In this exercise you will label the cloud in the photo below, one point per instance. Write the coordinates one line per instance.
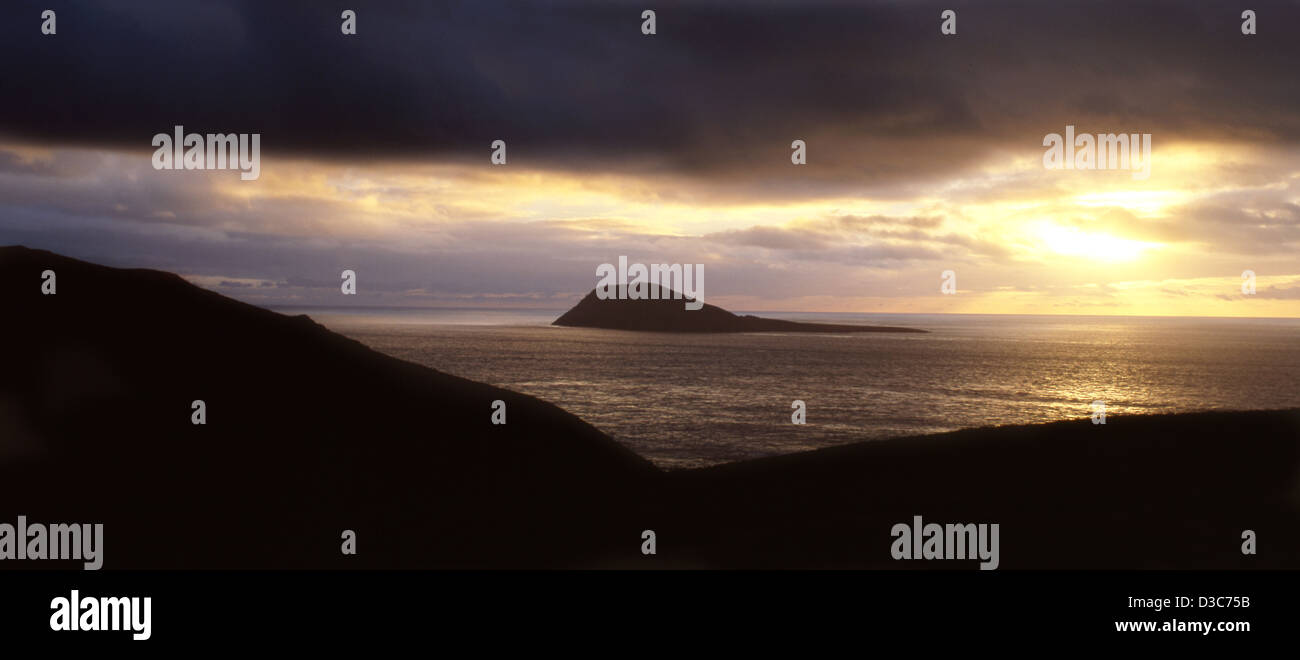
(924, 150)
(861, 240)
(1279, 293)
(882, 98)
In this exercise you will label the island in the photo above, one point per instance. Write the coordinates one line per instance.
(310, 434)
(666, 313)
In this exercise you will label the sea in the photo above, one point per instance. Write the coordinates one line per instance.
(692, 400)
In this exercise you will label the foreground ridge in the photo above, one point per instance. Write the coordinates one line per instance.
(309, 434)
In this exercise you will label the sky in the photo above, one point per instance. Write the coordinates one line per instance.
(924, 151)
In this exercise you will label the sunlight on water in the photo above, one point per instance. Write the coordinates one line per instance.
(693, 400)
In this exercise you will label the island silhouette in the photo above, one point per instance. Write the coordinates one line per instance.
(665, 311)
(309, 433)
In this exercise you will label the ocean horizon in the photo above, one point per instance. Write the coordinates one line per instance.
(314, 307)
(695, 400)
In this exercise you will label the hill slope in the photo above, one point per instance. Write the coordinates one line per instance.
(308, 433)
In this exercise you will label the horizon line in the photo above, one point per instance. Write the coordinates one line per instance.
(561, 310)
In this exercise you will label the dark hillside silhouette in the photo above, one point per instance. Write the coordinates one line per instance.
(309, 433)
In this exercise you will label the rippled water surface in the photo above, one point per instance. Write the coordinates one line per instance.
(692, 400)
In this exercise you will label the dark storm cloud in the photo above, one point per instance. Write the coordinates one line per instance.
(717, 94)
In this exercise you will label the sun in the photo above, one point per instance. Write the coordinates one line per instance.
(1074, 242)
